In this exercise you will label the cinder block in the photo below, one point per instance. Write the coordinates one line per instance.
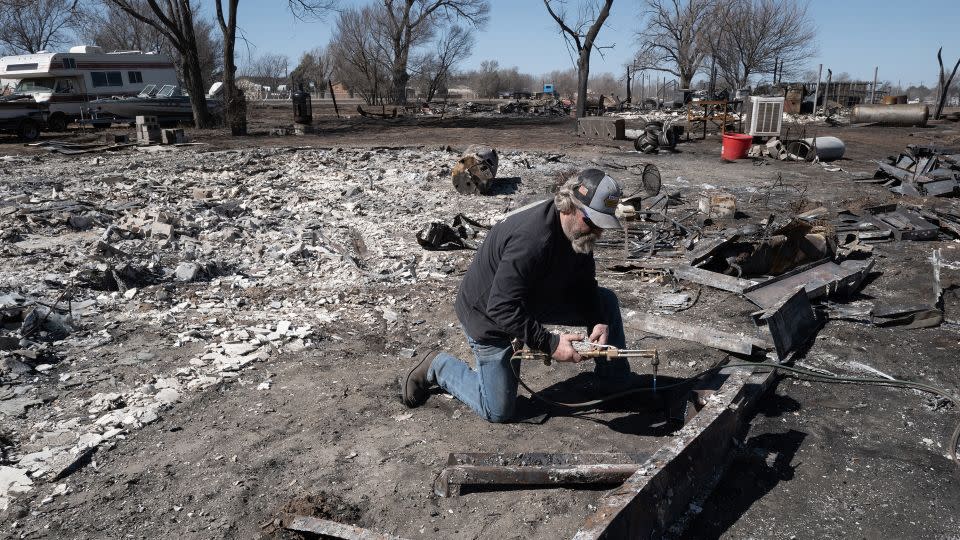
(172, 136)
(147, 121)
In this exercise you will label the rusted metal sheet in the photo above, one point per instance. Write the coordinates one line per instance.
(332, 529)
(648, 502)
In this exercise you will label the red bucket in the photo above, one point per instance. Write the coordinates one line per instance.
(735, 146)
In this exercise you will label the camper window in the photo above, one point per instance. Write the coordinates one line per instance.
(69, 63)
(64, 86)
(135, 77)
(106, 78)
(44, 84)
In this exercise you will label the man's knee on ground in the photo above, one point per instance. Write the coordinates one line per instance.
(499, 413)
(608, 297)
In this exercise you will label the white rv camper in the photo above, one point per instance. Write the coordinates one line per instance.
(69, 81)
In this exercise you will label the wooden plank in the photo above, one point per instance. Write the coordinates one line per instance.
(332, 529)
(651, 500)
(711, 337)
(713, 279)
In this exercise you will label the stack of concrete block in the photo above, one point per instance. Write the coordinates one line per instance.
(173, 136)
(148, 130)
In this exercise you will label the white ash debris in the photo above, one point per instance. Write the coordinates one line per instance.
(225, 258)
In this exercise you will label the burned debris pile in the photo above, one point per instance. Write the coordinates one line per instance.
(226, 258)
(922, 171)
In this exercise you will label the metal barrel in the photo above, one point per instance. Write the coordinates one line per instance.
(891, 115)
(828, 148)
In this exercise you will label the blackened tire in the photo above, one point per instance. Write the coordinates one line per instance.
(28, 130)
(57, 122)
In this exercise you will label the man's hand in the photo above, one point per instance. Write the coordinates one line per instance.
(565, 351)
(600, 334)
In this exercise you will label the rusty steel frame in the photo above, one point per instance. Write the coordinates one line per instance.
(656, 489)
(534, 469)
(684, 468)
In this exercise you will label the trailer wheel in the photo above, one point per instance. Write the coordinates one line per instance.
(28, 130)
(57, 122)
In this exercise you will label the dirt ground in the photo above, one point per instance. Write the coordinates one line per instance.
(319, 426)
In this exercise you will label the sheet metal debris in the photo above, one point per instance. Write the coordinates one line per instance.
(922, 170)
(819, 279)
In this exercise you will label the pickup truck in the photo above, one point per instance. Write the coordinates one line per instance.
(23, 116)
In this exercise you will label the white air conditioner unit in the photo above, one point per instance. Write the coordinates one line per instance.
(764, 116)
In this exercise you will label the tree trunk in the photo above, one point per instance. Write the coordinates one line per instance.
(192, 71)
(234, 102)
(193, 76)
(399, 80)
(583, 76)
(686, 79)
(945, 83)
(629, 80)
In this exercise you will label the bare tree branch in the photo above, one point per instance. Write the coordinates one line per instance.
(592, 18)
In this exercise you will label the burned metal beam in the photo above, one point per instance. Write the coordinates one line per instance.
(534, 469)
(711, 337)
(650, 501)
(822, 278)
(713, 279)
(331, 529)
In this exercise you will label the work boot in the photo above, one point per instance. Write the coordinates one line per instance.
(415, 388)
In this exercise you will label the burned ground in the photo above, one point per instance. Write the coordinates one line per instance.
(241, 310)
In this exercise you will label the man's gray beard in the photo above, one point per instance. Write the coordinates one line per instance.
(584, 243)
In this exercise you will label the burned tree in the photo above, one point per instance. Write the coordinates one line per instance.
(313, 70)
(451, 47)
(405, 23)
(582, 36)
(676, 37)
(113, 29)
(234, 102)
(944, 83)
(358, 62)
(756, 35)
(235, 108)
(29, 26)
(175, 22)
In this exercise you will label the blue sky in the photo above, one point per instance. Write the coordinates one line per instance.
(853, 36)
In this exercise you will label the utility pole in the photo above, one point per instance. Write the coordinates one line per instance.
(816, 92)
(873, 89)
(826, 93)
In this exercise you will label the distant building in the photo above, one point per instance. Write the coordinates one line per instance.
(462, 92)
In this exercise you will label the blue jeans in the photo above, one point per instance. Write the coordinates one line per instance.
(491, 389)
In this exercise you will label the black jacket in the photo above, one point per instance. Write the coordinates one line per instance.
(525, 269)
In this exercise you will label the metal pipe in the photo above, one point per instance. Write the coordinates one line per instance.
(891, 115)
